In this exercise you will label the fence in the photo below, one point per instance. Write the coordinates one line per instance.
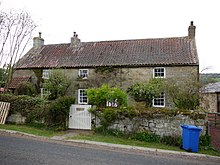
(214, 119)
(4, 109)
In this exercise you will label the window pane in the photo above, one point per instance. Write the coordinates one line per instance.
(82, 96)
(46, 74)
(160, 101)
(159, 72)
(83, 73)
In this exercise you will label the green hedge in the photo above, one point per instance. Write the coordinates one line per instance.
(58, 112)
(22, 104)
(54, 114)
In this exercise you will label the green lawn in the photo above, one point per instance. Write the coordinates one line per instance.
(117, 140)
(31, 130)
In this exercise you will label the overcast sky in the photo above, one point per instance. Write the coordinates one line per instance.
(98, 20)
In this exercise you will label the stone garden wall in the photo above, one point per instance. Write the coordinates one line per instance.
(163, 126)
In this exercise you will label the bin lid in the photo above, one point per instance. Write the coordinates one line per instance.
(191, 127)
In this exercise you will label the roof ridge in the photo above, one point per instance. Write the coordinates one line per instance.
(141, 39)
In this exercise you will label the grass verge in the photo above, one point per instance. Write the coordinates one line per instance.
(35, 130)
(118, 140)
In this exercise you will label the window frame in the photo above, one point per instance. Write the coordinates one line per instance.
(82, 76)
(79, 97)
(47, 75)
(164, 72)
(159, 99)
(44, 92)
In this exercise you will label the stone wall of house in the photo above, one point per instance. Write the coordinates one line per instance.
(209, 102)
(142, 74)
(20, 73)
(127, 76)
(163, 126)
(121, 77)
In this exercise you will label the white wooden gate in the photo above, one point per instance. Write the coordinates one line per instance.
(79, 117)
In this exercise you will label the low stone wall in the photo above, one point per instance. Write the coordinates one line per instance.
(163, 126)
(16, 118)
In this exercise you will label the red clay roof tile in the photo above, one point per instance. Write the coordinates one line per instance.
(17, 81)
(147, 52)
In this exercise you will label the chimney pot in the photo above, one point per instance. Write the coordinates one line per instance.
(191, 31)
(75, 41)
(38, 41)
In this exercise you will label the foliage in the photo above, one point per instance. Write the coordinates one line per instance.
(100, 96)
(146, 91)
(39, 114)
(145, 136)
(57, 84)
(205, 140)
(112, 132)
(3, 75)
(185, 95)
(22, 104)
(109, 115)
(34, 129)
(171, 140)
(15, 33)
(26, 89)
(106, 75)
(53, 114)
(58, 111)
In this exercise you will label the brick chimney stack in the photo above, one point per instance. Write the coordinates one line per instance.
(75, 41)
(38, 41)
(191, 31)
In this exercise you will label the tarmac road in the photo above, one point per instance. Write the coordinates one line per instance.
(20, 150)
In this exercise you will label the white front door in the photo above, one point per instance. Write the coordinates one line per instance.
(79, 117)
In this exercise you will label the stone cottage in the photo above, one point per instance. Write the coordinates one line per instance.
(120, 63)
(211, 97)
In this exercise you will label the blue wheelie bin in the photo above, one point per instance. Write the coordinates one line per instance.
(190, 137)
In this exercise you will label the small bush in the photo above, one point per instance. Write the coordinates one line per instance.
(113, 132)
(171, 140)
(109, 115)
(39, 114)
(145, 136)
(205, 140)
(58, 111)
(26, 89)
(100, 96)
(57, 84)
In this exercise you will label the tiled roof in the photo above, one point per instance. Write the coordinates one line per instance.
(17, 81)
(140, 52)
(211, 88)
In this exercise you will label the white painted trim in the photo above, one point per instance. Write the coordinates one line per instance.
(159, 68)
(160, 106)
(48, 73)
(79, 97)
(79, 71)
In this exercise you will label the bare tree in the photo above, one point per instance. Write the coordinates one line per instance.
(15, 32)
